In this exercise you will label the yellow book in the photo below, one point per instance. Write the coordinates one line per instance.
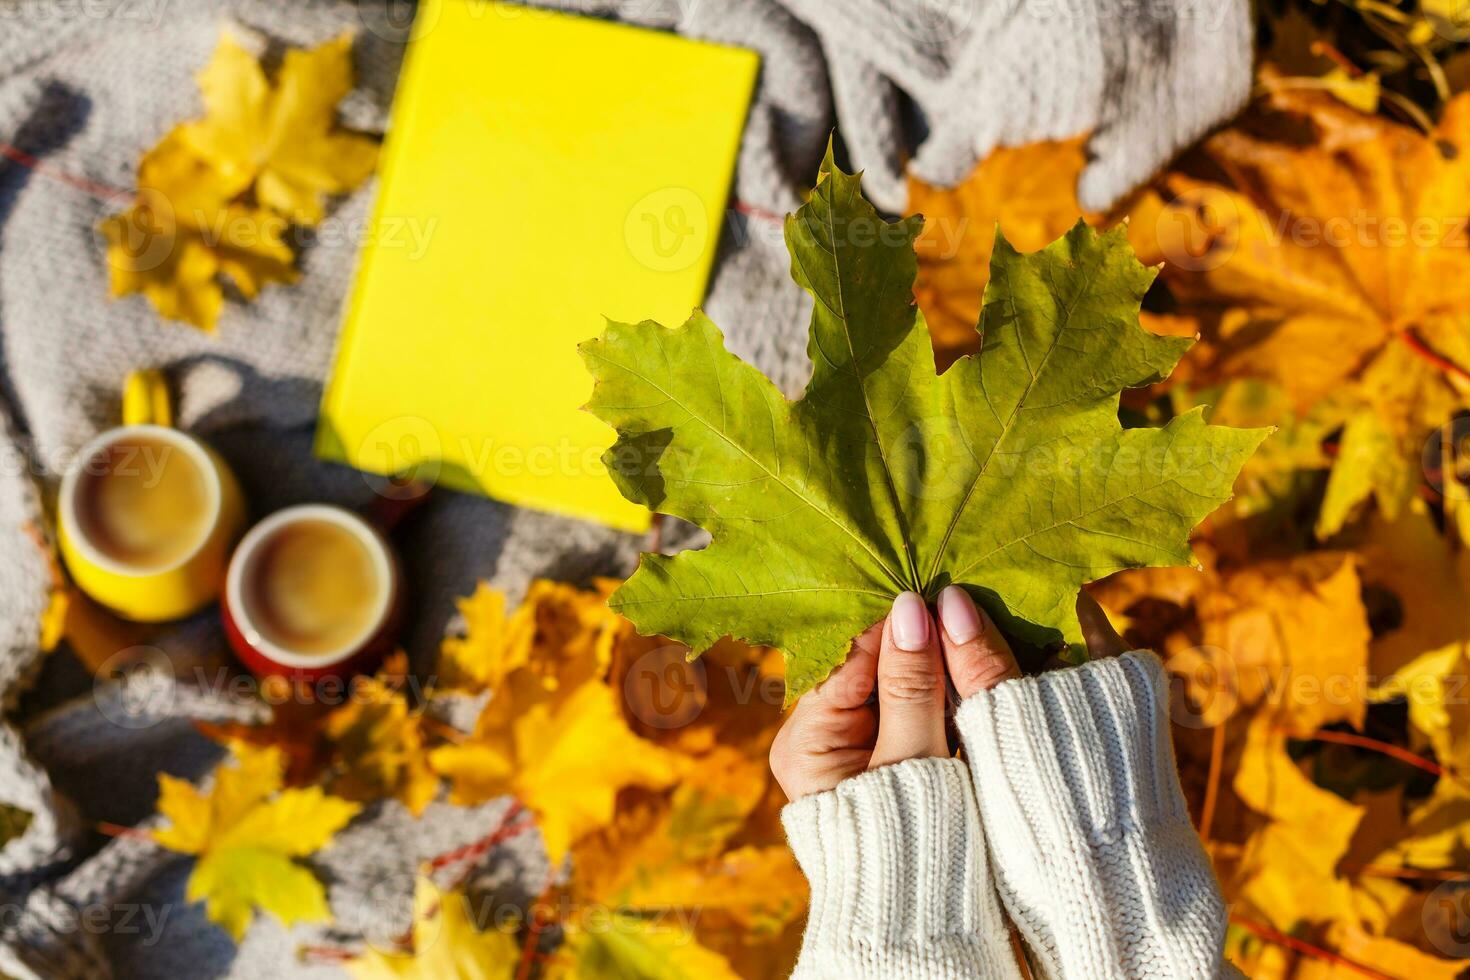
(542, 172)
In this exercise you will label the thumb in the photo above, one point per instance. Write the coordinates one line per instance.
(910, 686)
(1102, 640)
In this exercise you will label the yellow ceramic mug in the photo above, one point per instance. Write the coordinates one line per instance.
(182, 567)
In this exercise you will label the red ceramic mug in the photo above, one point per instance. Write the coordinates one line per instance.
(312, 591)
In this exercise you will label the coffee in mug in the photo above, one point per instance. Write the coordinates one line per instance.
(309, 588)
(145, 518)
(312, 587)
(143, 502)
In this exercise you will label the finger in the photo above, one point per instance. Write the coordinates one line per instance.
(829, 714)
(817, 749)
(910, 686)
(1102, 640)
(829, 735)
(977, 656)
(851, 684)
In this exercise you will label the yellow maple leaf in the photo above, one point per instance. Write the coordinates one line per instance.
(217, 195)
(1328, 266)
(1430, 684)
(281, 140)
(368, 747)
(1291, 853)
(1411, 562)
(446, 944)
(380, 746)
(580, 727)
(182, 235)
(1422, 656)
(636, 948)
(1449, 16)
(1249, 637)
(1369, 464)
(559, 637)
(755, 888)
(713, 801)
(1436, 834)
(565, 759)
(676, 852)
(1387, 956)
(1360, 91)
(244, 833)
(713, 844)
(493, 643)
(1029, 191)
(1289, 865)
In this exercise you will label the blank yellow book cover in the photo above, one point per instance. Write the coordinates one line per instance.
(543, 172)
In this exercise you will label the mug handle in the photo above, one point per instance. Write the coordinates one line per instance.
(146, 399)
(387, 510)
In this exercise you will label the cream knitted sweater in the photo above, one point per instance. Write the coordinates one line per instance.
(1068, 813)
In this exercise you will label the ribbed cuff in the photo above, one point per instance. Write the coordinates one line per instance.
(1097, 733)
(1091, 843)
(899, 880)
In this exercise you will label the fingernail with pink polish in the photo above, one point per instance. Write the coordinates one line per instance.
(958, 614)
(910, 622)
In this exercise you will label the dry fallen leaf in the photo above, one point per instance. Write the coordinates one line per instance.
(183, 235)
(244, 833)
(367, 746)
(1288, 870)
(380, 746)
(565, 758)
(588, 724)
(1330, 265)
(618, 947)
(553, 732)
(445, 944)
(677, 852)
(1247, 639)
(280, 139)
(1029, 191)
(217, 195)
(492, 645)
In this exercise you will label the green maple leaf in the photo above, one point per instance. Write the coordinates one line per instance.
(1009, 474)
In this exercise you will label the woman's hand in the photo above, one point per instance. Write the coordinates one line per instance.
(840, 730)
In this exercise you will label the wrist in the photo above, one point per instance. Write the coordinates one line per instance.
(1094, 853)
(898, 871)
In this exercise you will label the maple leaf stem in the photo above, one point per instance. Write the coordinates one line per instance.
(1423, 350)
(118, 830)
(326, 954)
(656, 533)
(1305, 948)
(1212, 783)
(1375, 745)
(1413, 112)
(1411, 874)
(752, 211)
(1329, 51)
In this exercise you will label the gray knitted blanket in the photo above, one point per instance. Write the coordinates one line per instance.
(86, 86)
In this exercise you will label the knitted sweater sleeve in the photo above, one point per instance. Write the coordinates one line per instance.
(1094, 855)
(899, 879)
